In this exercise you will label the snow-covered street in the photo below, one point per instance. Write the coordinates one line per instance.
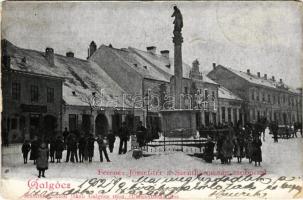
(283, 158)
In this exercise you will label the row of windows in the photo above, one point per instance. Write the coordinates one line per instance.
(274, 99)
(200, 91)
(34, 93)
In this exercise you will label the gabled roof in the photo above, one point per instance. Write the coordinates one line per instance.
(81, 76)
(251, 78)
(160, 63)
(224, 93)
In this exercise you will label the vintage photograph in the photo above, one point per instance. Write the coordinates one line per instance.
(151, 100)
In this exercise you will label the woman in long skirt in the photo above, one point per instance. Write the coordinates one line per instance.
(42, 159)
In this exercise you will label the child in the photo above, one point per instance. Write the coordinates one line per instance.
(42, 160)
(26, 147)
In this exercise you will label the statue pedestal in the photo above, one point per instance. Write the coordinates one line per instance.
(179, 119)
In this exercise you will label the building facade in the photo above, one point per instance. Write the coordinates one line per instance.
(31, 105)
(263, 97)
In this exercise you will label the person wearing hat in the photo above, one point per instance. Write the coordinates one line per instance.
(42, 159)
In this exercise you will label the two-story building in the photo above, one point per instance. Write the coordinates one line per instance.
(148, 74)
(263, 96)
(31, 104)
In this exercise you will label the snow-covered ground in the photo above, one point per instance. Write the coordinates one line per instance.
(283, 158)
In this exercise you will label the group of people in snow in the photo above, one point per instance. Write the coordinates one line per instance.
(241, 142)
(78, 149)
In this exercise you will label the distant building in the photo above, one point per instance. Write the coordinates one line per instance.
(230, 107)
(263, 96)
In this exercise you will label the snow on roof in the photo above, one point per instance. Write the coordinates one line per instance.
(260, 80)
(81, 76)
(161, 63)
(138, 64)
(227, 94)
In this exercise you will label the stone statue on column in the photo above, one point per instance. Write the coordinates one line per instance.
(178, 19)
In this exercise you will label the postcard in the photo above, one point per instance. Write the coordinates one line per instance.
(151, 100)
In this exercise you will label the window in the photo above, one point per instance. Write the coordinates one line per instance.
(253, 95)
(34, 93)
(14, 123)
(50, 95)
(185, 90)
(274, 99)
(263, 97)
(73, 122)
(206, 94)
(268, 98)
(223, 114)
(257, 97)
(213, 95)
(279, 100)
(16, 91)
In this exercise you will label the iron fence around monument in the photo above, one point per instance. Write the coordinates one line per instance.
(184, 143)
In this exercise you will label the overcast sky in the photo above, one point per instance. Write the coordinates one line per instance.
(261, 36)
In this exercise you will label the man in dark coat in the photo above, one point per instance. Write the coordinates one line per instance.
(65, 135)
(219, 149)
(111, 141)
(124, 137)
(26, 147)
(68, 146)
(59, 149)
(42, 159)
(209, 151)
(52, 149)
(141, 134)
(90, 147)
(34, 149)
(102, 148)
(257, 152)
(274, 129)
(73, 149)
(81, 147)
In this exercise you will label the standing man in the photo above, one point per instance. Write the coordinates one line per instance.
(111, 141)
(102, 148)
(124, 137)
(141, 134)
(65, 135)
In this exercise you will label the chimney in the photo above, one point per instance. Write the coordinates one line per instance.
(214, 66)
(248, 71)
(165, 53)
(258, 74)
(265, 76)
(195, 66)
(70, 54)
(49, 56)
(151, 49)
(91, 49)
(281, 81)
(273, 78)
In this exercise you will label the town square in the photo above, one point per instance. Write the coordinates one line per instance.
(151, 89)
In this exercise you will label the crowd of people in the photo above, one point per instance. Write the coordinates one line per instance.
(244, 142)
(78, 148)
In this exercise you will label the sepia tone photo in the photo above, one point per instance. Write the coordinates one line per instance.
(151, 100)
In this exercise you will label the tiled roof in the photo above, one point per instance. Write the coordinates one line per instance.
(226, 94)
(81, 76)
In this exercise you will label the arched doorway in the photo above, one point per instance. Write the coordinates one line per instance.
(49, 127)
(101, 125)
